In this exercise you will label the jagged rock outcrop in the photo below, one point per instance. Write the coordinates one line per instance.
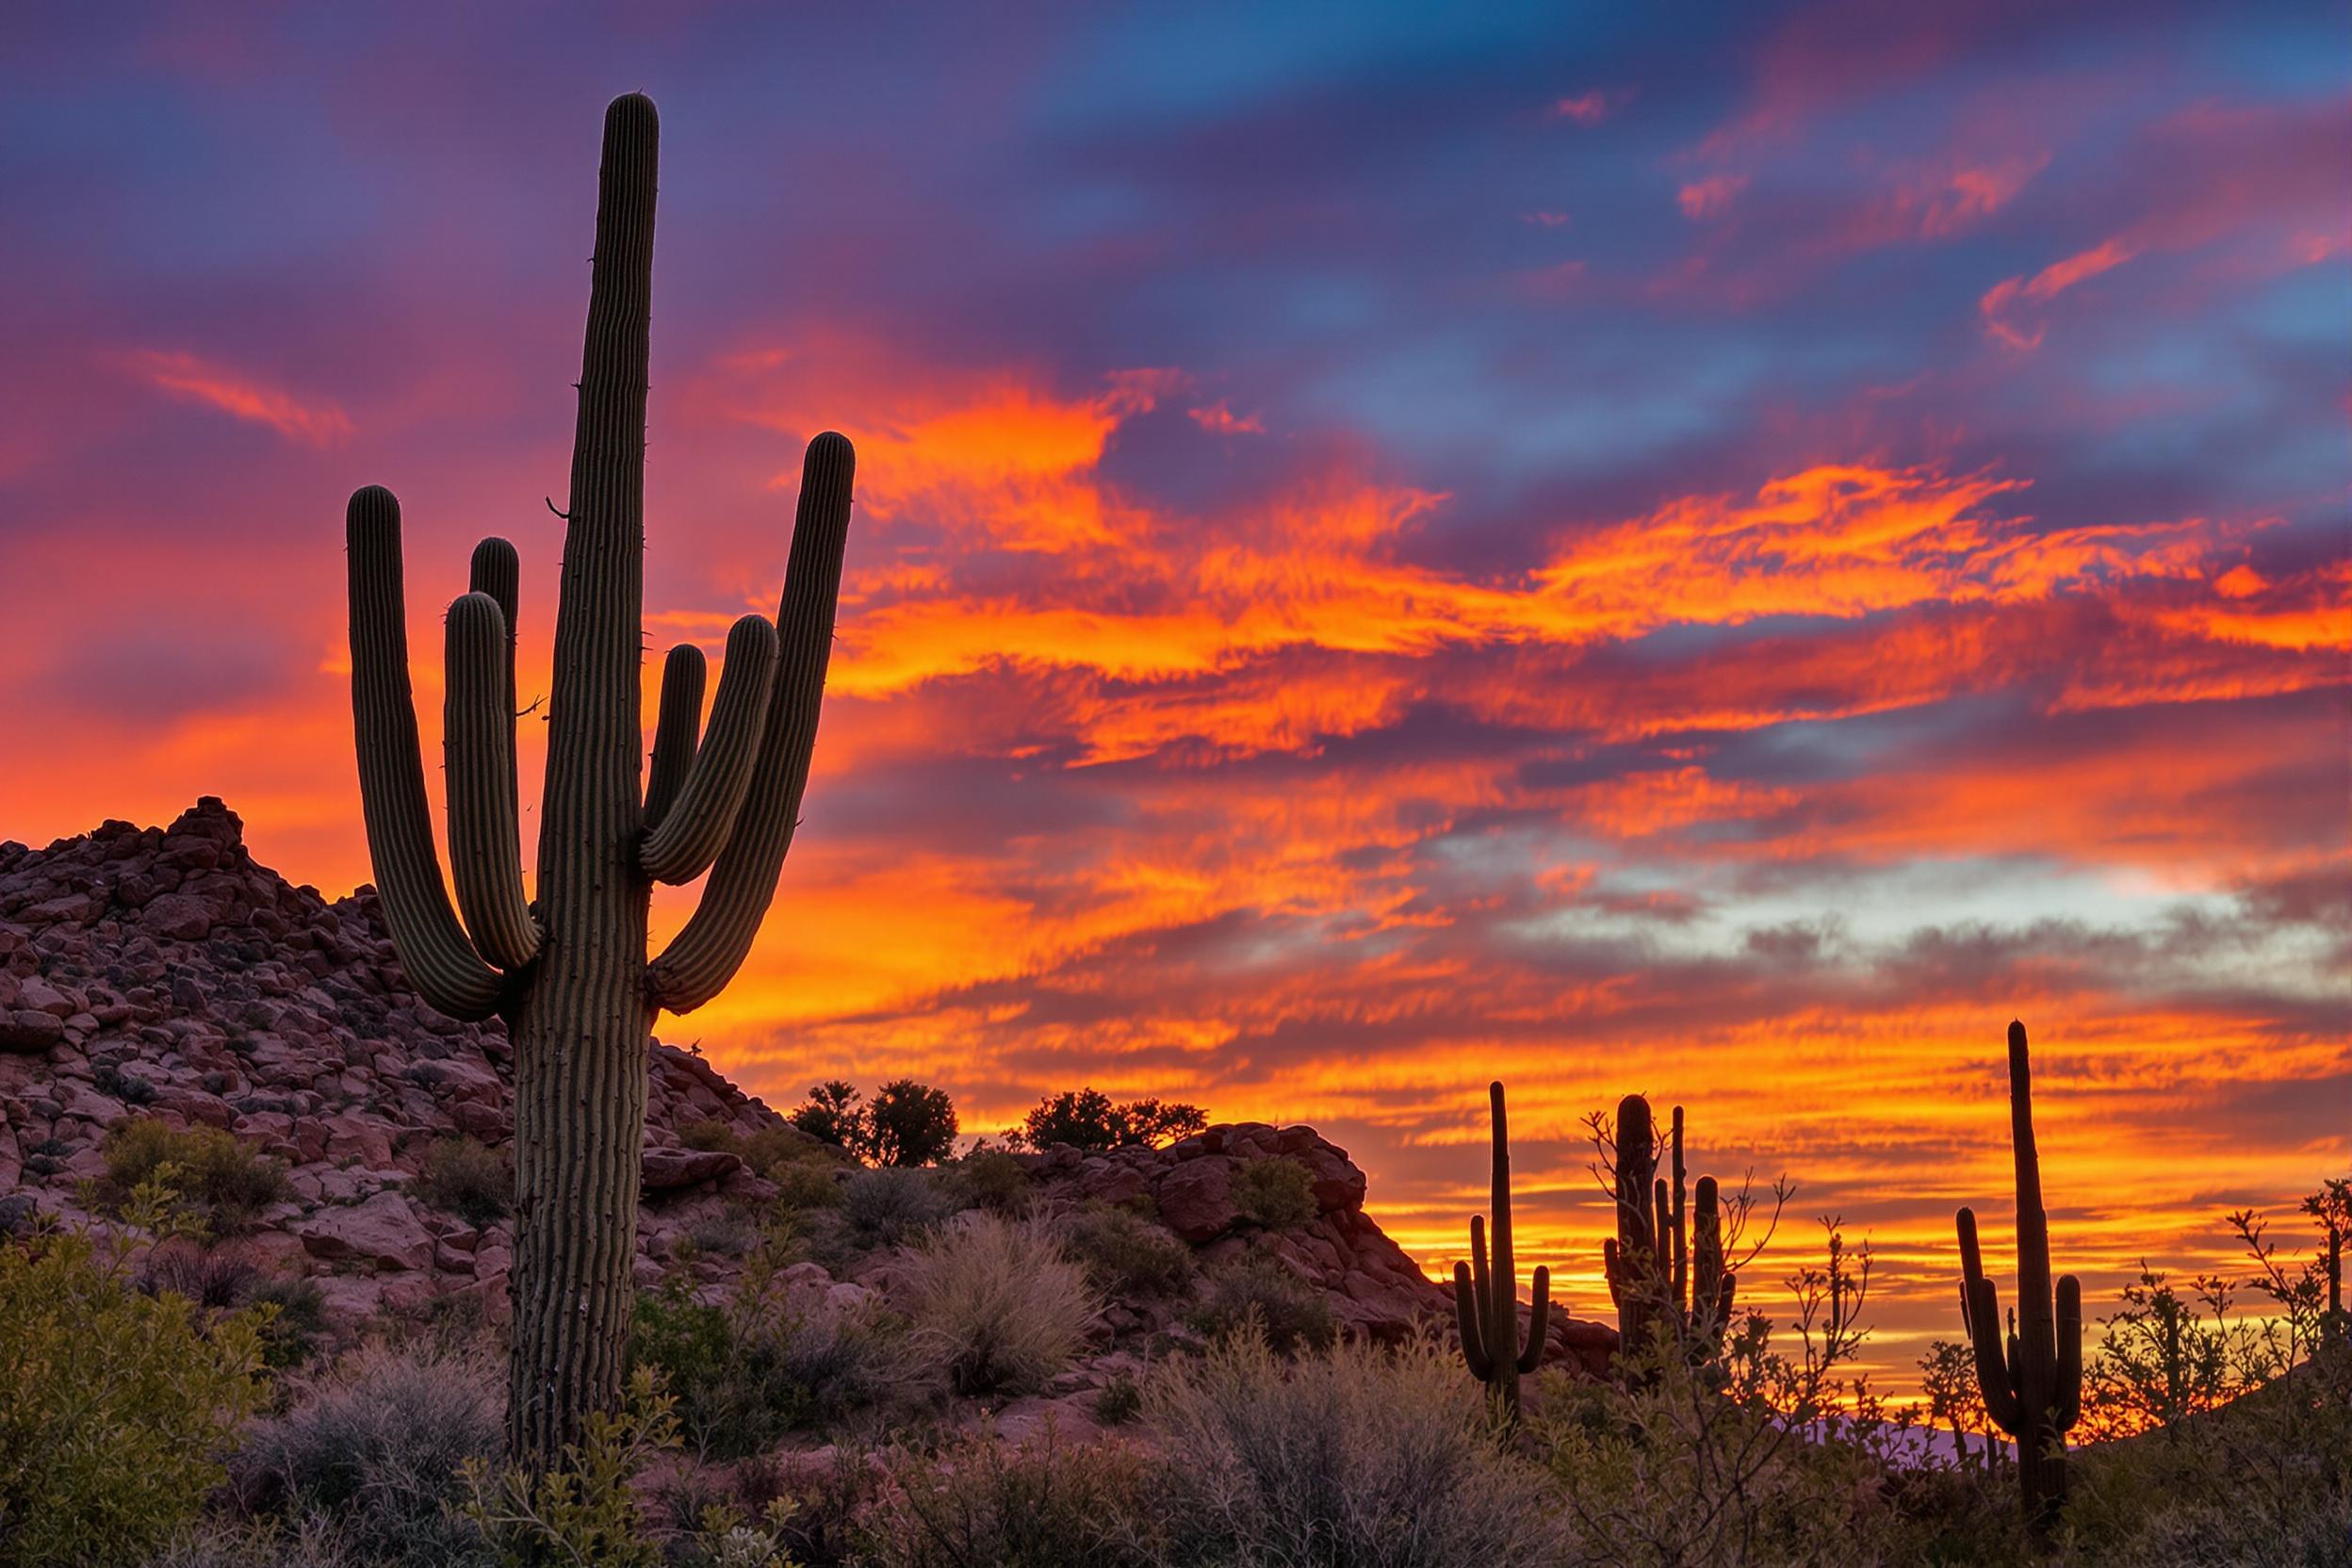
(1376, 1289)
(163, 972)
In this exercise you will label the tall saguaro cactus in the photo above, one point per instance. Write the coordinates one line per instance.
(2033, 1379)
(568, 972)
(1486, 1289)
(1666, 1263)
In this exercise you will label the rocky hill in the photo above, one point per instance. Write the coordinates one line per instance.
(163, 973)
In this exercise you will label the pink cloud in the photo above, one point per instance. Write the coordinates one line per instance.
(1708, 198)
(1586, 108)
(1220, 420)
(192, 380)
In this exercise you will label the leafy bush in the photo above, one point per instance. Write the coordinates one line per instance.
(219, 1181)
(585, 1508)
(909, 1123)
(993, 1179)
(1277, 1194)
(998, 1305)
(743, 1374)
(298, 1320)
(1373, 1458)
(1118, 1402)
(1086, 1118)
(984, 1503)
(114, 1405)
(1261, 1293)
(1125, 1255)
(376, 1444)
(772, 1149)
(467, 1178)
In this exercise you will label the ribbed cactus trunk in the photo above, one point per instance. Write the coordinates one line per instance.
(581, 1030)
(568, 972)
(2031, 1378)
(1486, 1288)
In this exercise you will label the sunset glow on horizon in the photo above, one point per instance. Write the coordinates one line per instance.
(1383, 561)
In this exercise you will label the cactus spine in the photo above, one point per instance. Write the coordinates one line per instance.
(1486, 1289)
(569, 972)
(1665, 1266)
(2033, 1379)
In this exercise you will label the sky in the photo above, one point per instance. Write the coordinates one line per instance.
(1722, 552)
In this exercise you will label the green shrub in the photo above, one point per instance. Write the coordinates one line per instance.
(997, 1305)
(890, 1206)
(1260, 1293)
(744, 1374)
(1358, 1455)
(375, 1445)
(803, 1185)
(298, 1320)
(467, 1178)
(992, 1179)
(1125, 1255)
(115, 1406)
(219, 1181)
(585, 1509)
(1277, 1194)
(980, 1502)
(770, 1149)
(1118, 1402)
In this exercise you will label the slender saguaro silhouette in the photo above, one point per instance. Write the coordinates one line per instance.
(568, 972)
(1666, 1263)
(1486, 1289)
(2032, 1382)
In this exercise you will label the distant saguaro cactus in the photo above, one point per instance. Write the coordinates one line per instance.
(1666, 1263)
(568, 972)
(1486, 1289)
(2032, 1380)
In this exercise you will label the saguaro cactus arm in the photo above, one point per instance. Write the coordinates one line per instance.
(2066, 1403)
(497, 571)
(695, 825)
(439, 961)
(1470, 1305)
(477, 740)
(707, 952)
(677, 731)
(1538, 1321)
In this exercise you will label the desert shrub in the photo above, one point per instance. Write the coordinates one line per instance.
(376, 1444)
(889, 1207)
(1278, 1193)
(585, 1509)
(1357, 1455)
(743, 1374)
(1088, 1118)
(298, 1318)
(768, 1152)
(311, 1543)
(724, 1233)
(467, 1178)
(115, 1406)
(909, 1123)
(1125, 1255)
(1260, 1293)
(219, 1181)
(217, 1279)
(983, 1503)
(997, 1305)
(1118, 1402)
(992, 1179)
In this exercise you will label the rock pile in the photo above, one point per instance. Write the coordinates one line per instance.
(161, 972)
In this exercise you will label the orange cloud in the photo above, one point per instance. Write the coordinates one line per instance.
(192, 380)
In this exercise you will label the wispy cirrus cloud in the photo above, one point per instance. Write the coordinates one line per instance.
(185, 376)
